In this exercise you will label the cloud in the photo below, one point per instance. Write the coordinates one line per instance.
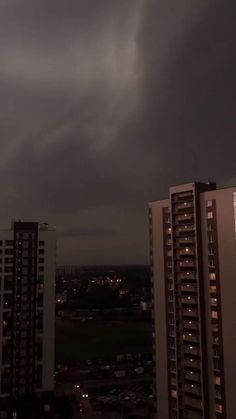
(104, 105)
(83, 232)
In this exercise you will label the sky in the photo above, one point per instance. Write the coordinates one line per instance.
(106, 103)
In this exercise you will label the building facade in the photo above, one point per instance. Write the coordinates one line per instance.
(27, 293)
(193, 263)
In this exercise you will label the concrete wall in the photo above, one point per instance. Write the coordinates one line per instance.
(49, 309)
(160, 310)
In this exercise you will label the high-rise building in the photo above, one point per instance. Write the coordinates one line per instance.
(193, 263)
(27, 295)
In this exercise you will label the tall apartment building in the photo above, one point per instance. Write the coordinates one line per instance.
(193, 262)
(27, 295)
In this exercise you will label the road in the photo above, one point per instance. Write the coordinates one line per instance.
(76, 396)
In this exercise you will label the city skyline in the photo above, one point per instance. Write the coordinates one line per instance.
(104, 105)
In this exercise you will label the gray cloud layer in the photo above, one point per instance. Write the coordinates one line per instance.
(103, 105)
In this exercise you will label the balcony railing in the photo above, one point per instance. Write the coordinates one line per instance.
(183, 206)
(186, 240)
(185, 217)
(193, 376)
(193, 389)
(193, 403)
(191, 350)
(189, 288)
(190, 312)
(190, 338)
(189, 300)
(185, 229)
(191, 325)
(193, 363)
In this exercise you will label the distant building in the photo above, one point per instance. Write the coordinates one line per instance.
(145, 305)
(193, 260)
(27, 312)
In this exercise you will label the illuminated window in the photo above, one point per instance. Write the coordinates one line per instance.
(210, 215)
(173, 393)
(218, 394)
(217, 381)
(209, 203)
(214, 315)
(213, 288)
(213, 301)
(212, 276)
(216, 339)
(219, 408)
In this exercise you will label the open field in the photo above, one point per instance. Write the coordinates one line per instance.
(78, 340)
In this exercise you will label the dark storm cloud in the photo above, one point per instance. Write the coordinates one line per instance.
(103, 105)
(85, 233)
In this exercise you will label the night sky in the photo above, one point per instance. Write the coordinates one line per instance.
(104, 104)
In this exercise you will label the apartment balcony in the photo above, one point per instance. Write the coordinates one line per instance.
(187, 217)
(186, 251)
(190, 338)
(192, 350)
(197, 404)
(186, 205)
(193, 376)
(173, 381)
(186, 240)
(190, 300)
(184, 229)
(187, 275)
(189, 288)
(190, 312)
(192, 363)
(184, 198)
(192, 389)
(187, 264)
(191, 325)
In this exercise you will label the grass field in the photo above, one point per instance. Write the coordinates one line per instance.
(77, 341)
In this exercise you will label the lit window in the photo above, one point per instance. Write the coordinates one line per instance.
(209, 203)
(212, 276)
(210, 215)
(217, 381)
(219, 408)
(214, 315)
(173, 393)
(213, 288)
(213, 301)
